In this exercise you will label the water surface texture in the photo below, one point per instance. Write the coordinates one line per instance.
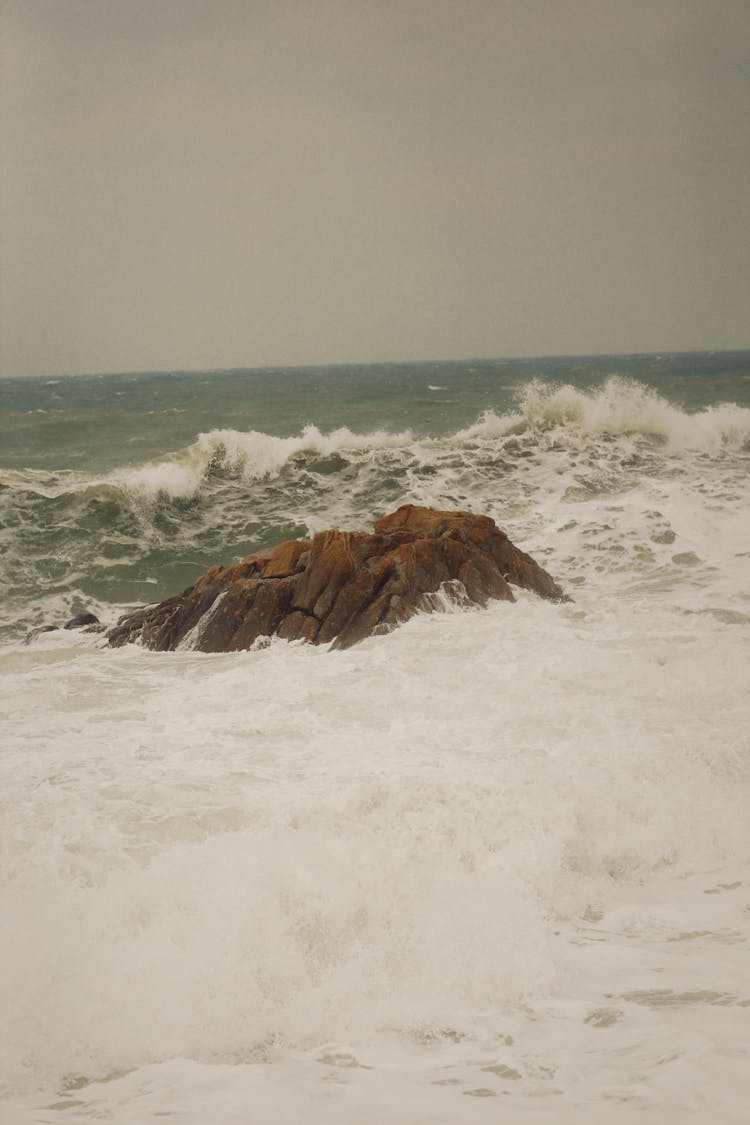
(495, 865)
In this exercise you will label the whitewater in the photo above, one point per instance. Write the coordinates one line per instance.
(494, 865)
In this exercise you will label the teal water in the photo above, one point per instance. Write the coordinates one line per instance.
(119, 489)
(102, 421)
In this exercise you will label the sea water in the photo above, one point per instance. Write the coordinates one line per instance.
(492, 866)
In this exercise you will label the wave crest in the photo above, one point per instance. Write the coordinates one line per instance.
(256, 454)
(251, 455)
(619, 408)
(559, 416)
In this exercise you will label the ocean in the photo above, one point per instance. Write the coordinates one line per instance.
(493, 866)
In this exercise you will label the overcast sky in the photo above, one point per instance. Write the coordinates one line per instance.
(231, 183)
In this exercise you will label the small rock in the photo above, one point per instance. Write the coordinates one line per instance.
(80, 620)
(31, 636)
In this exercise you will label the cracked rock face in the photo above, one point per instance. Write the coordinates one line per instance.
(342, 586)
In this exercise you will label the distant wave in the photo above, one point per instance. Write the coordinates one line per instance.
(547, 416)
(621, 407)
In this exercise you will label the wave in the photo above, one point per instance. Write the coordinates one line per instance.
(547, 415)
(560, 416)
(621, 407)
(256, 455)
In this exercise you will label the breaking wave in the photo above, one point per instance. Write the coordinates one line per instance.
(619, 408)
(547, 416)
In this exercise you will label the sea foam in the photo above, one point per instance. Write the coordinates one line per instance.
(393, 855)
(620, 407)
(496, 858)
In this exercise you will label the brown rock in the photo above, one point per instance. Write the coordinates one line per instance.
(342, 586)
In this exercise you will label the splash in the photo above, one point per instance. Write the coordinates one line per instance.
(620, 408)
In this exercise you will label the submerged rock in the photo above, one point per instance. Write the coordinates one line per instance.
(342, 586)
(80, 620)
(37, 632)
(88, 622)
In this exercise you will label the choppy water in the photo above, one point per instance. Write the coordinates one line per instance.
(496, 862)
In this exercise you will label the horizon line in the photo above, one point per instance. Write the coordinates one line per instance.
(362, 364)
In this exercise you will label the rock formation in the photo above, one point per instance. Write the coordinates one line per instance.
(341, 586)
(88, 622)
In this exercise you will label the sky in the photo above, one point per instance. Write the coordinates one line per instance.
(203, 184)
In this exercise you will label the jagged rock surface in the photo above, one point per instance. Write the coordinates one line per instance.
(341, 586)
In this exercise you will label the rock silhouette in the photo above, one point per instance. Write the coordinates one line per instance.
(342, 586)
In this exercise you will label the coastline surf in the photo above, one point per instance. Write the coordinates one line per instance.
(497, 859)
